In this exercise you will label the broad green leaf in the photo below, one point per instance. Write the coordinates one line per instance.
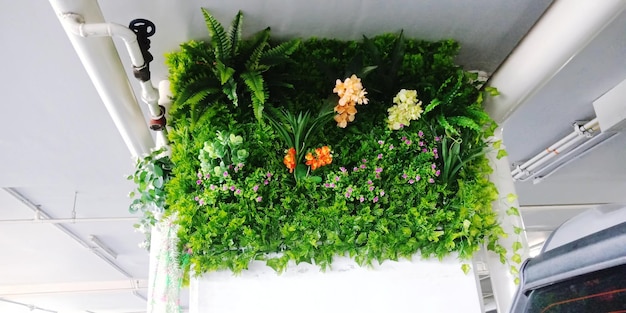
(512, 211)
(315, 179)
(516, 246)
(492, 91)
(158, 171)
(510, 198)
(242, 154)
(516, 258)
(235, 140)
(225, 73)
(501, 153)
(497, 144)
(158, 183)
(466, 268)
(517, 230)
(301, 171)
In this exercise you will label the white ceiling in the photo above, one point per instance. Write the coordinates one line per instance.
(597, 177)
(61, 150)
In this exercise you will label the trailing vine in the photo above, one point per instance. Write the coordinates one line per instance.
(151, 174)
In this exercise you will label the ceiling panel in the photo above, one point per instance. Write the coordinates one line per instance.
(34, 253)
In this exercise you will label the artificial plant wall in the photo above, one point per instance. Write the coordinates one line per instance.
(303, 150)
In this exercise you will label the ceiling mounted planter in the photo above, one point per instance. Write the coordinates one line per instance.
(315, 148)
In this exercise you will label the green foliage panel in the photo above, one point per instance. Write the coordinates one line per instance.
(387, 194)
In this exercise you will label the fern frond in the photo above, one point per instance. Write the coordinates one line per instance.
(223, 72)
(465, 122)
(235, 33)
(190, 86)
(443, 122)
(454, 93)
(256, 86)
(247, 46)
(478, 115)
(230, 90)
(279, 54)
(220, 42)
(432, 105)
(257, 50)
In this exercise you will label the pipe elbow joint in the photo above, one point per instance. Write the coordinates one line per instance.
(158, 123)
(142, 73)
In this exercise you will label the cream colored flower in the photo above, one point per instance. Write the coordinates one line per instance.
(408, 108)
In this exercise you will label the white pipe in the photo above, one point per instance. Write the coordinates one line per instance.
(528, 172)
(543, 153)
(541, 158)
(72, 288)
(165, 100)
(29, 306)
(76, 24)
(102, 63)
(68, 220)
(558, 146)
(557, 153)
(547, 157)
(566, 28)
(537, 178)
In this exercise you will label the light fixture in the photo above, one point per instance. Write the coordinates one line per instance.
(96, 241)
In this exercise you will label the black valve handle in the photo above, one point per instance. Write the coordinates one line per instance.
(143, 29)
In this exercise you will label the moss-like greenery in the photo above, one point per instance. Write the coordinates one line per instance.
(387, 194)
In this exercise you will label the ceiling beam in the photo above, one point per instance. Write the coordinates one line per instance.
(562, 32)
(550, 207)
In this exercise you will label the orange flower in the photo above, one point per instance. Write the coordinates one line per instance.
(311, 161)
(322, 157)
(351, 93)
(290, 159)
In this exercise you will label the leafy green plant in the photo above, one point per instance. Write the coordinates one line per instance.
(387, 69)
(296, 131)
(232, 67)
(452, 115)
(225, 149)
(152, 172)
(455, 155)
